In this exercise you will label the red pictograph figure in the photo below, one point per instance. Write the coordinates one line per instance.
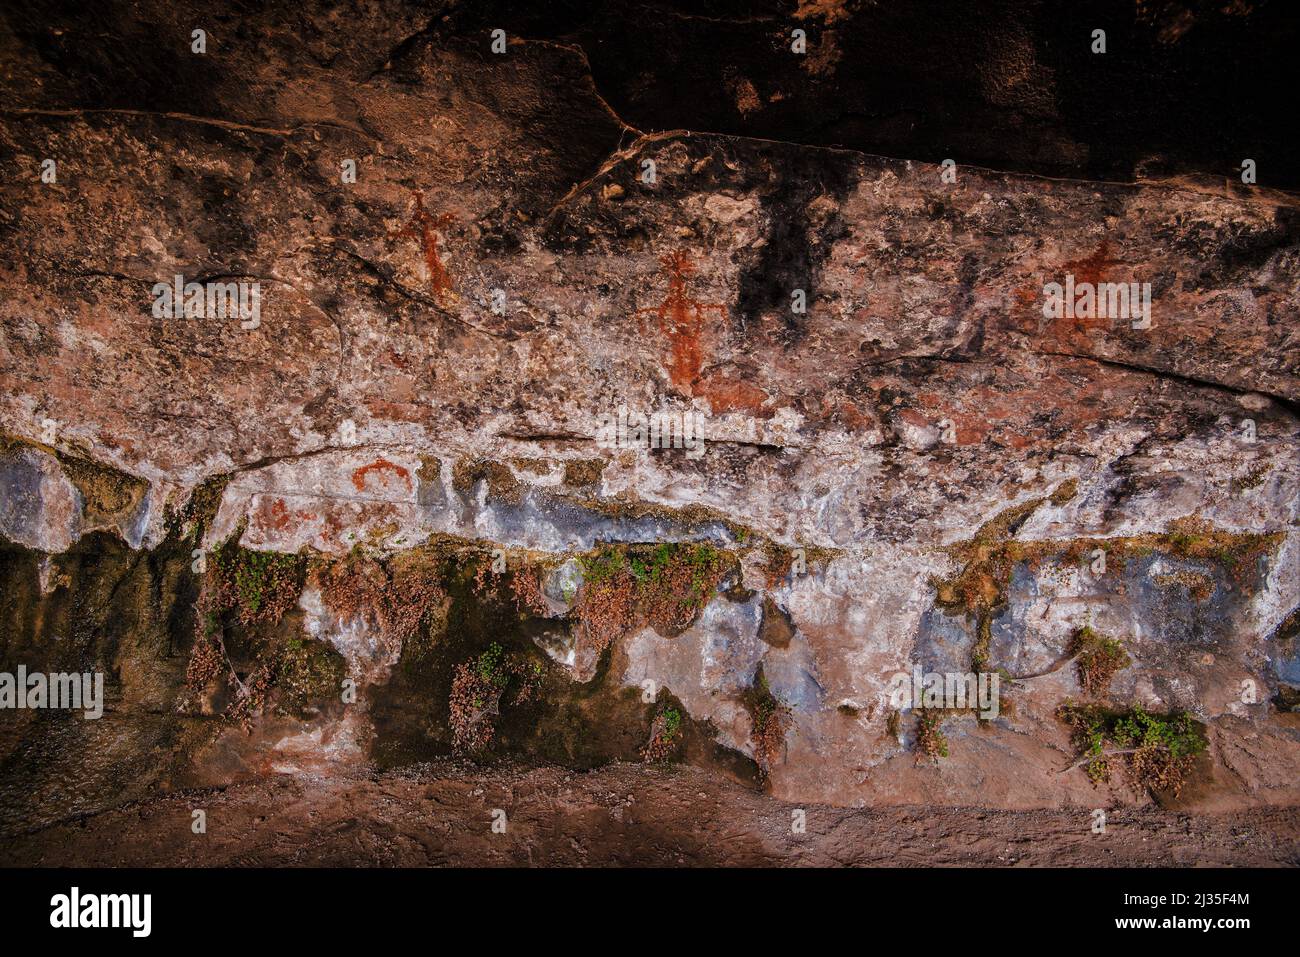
(681, 319)
(425, 227)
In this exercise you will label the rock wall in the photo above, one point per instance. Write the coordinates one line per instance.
(919, 469)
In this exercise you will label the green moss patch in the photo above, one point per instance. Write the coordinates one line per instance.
(258, 586)
(665, 586)
(1158, 751)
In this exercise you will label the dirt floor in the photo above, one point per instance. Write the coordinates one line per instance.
(442, 814)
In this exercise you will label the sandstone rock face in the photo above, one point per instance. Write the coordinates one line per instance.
(441, 341)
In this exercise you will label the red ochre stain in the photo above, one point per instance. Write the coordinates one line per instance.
(1091, 268)
(278, 517)
(681, 319)
(379, 465)
(425, 227)
(728, 394)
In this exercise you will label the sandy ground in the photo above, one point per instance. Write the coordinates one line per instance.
(442, 814)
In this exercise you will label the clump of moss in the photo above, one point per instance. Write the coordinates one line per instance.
(930, 741)
(526, 586)
(769, 717)
(1158, 750)
(477, 690)
(399, 597)
(665, 586)
(259, 586)
(778, 562)
(580, 473)
(1098, 658)
(252, 694)
(675, 582)
(1064, 492)
(606, 564)
(475, 700)
(430, 469)
(606, 606)
(1194, 537)
(531, 465)
(665, 736)
(501, 482)
(207, 663)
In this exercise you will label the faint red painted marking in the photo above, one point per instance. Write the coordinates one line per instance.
(426, 228)
(681, 319)
(379, 466)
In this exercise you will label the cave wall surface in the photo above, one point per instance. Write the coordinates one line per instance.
(922, 417)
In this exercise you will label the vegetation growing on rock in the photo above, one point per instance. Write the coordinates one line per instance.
(398, 596)
(665, 736)
(477, 690)
(1097, 658)
(665, 586)
(257, 586)
(1065, 492)
(930, 741)
(501, 482)
(988, 560)
(1158, 751)
(769, 719)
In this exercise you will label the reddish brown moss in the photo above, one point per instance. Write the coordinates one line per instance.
(1098, 658)
(769, 719)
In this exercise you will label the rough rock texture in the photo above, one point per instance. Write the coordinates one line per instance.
(920, 419)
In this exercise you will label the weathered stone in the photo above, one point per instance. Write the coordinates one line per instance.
(389, 398)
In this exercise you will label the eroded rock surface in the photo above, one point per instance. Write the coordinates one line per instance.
(438, 342)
